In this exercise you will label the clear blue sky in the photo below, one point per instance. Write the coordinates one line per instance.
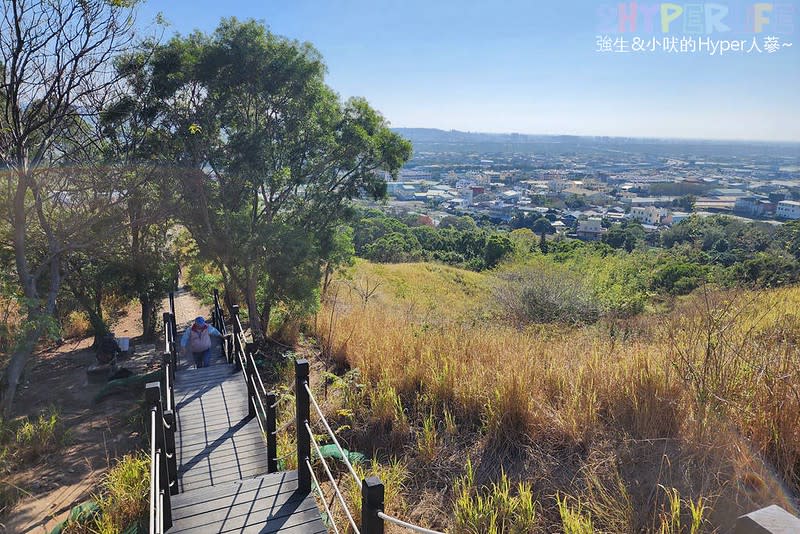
(530, 66)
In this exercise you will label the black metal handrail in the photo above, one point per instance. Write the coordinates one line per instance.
(160, 398)
(261, 404)
(163, 461)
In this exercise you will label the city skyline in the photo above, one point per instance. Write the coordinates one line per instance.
(538, 69)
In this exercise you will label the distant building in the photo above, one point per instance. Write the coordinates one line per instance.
(511, 196)
(788, 209)
(651, 215)
(401, 190)
(754, 206)
(678, 216)
(591, 229)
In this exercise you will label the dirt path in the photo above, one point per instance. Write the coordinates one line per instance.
(96, 433)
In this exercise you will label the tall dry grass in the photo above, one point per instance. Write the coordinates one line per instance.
(690, 400)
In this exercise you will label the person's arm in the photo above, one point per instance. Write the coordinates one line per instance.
(213, 331)
(185, 338)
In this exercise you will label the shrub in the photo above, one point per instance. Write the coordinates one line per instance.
(546, 295)
(125, 494)
(679, 278)
(76, 325)
(203, 280)
(493, 508)
(28, 439)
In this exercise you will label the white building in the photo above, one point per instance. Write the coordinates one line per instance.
(650, 215)
(788, 209)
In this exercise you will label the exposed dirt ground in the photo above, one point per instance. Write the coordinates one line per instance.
(95, 433)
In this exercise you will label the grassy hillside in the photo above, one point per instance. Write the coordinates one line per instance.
(627, 425)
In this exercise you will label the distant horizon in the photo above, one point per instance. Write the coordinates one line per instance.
(548, 67)
(638, 137)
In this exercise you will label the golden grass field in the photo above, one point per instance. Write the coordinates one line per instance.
(676, 421)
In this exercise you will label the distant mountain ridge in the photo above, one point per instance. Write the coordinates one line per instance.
(436, 135)
(455, 141)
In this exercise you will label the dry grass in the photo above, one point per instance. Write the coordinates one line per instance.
(691, 399)
(76, 325)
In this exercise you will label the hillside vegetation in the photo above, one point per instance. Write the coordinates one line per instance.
(672, 421)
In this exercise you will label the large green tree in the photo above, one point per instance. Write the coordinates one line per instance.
(271, 157)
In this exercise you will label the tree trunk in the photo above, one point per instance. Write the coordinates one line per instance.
(148, 317)
(252, 309)
(16, 366)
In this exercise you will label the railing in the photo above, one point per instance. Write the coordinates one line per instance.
(372, 489)
(160, 399)
(218, 320)
(163, 461)
(261, 404)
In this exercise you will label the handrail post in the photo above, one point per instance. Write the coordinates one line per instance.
(217, 310)
(272, 436)
(372, 494)
(172, 316)
(249, 375)
(153, 398)
(172, 303)
(168, 379)
(237, 348)
(302, 408)
(168, 341)
(172, 457)
(226, 348)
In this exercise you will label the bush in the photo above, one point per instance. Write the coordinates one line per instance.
(203, 281)
(126, 490)
(28, 439)
(76, 325)
(546, 294)
(679, 278)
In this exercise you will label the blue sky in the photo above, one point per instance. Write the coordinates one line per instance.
(531, 66)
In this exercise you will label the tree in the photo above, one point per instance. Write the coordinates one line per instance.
(54, 55)
(685, 202)
(134, 126)
(497, 247)
(542, 226)
(463, 224)
(626, 235)
(269, 151)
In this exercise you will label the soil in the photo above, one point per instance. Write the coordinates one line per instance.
(95, 434)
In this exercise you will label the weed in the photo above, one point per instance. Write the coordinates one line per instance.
(494, 508)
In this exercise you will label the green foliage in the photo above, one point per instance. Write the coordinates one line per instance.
(625, 235)
(679, 278)
(287, 156)
(124, 496)
(497, 247)
(203, 280)
(532, 221)
(456, 241)
(493, 509)
(574, 519)
(28, 439)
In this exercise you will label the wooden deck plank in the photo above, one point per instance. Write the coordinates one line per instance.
(251, 506)
(222, 464)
